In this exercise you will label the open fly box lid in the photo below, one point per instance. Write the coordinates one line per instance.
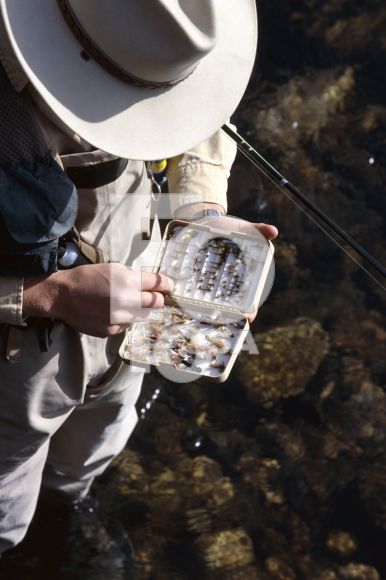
(220, 275)
(222, 262)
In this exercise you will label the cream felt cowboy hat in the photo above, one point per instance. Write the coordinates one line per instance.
(141, 79)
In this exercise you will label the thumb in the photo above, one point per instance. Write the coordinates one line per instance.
(269, 231)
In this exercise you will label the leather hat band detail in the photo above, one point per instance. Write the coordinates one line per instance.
(103, 60)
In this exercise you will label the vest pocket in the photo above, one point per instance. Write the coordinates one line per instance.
(38, 205)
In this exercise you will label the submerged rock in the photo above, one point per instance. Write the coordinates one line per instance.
(303, 106)
(191, 480)
(279, 570)
(226, 549)
(341, 543)
(289, 357)
(355, 571)
(130, 479)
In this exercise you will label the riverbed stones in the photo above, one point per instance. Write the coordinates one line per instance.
(289, 358)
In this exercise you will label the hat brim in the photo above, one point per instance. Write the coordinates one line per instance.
(121, 119)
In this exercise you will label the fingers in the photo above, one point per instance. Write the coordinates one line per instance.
(269, 231)
(156, 283)
(251, 316)
(113, 330)
(152, 300)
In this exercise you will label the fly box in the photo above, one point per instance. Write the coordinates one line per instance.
(222, 270)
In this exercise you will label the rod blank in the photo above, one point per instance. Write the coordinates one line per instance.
(258, 160)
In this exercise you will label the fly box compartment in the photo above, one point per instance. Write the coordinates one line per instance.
(183, 346)
(220, 277)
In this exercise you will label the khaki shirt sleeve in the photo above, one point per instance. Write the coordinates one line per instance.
(11, 301)
(201, 174)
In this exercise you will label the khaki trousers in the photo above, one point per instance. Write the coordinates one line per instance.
(66, 413)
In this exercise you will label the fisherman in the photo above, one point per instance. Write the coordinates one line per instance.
(88, 91)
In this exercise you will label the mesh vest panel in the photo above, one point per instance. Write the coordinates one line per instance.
(21, 136)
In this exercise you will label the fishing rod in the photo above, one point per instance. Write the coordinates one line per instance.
(286, 186)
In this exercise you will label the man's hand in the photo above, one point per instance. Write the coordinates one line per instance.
(269, 231)
(99, 300)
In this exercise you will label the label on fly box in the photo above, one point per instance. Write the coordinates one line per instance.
(220, 276)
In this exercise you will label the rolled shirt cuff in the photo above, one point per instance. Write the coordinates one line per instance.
(201, 174)
(196, 182)
(11, 301)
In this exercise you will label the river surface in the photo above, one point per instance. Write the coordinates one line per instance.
(280, 473)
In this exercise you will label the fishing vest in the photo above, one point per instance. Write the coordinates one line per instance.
(38, 201)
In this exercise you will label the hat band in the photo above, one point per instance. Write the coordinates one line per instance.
(101, 58)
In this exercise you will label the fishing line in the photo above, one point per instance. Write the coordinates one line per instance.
(285, 187)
